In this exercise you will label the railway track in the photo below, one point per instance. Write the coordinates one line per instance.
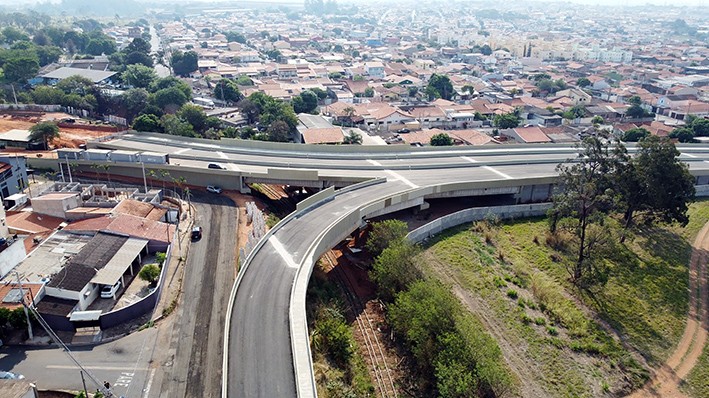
(382, 373)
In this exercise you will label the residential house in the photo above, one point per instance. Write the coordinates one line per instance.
(526, 135)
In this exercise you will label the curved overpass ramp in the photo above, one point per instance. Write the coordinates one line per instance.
(267, 350)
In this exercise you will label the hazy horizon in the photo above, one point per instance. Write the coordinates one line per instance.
(584, 2)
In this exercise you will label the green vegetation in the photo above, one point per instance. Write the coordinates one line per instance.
(339, 369)
(453, 354)
(184, 63)
(150, 273)
(440, 86)
(506, 121)
(698, 380)
(441, 139)
(44, 132)
(694, 127)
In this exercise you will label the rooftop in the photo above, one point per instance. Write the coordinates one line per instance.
(96, 76)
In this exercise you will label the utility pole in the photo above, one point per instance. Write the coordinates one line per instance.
(83, 381)
(145, 181)
(24, 306)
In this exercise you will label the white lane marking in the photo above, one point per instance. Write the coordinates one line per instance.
(689, 155)
(222, 155)
(499, 173)
(233, 167)
(146, 391)
(401, 178)
(183, 150)
(397, 176)
(282, 252)
(123, 368)
(471, 160)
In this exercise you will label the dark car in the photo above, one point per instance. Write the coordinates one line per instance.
(196, 233)
(215, 166)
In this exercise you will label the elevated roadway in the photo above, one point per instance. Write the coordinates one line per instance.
(266, 342)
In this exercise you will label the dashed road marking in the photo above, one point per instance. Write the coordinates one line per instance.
(396, 176)
(183, 150)
(222, 155)
(146, 391)
(282, 252)
(499, 173)
(471, 160)
(233, 167)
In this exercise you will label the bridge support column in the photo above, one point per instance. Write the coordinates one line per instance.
(243, 188)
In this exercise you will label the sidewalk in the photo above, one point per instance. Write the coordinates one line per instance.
(173, 279)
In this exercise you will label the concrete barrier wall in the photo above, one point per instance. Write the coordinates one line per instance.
(322, 195)
(475, 214)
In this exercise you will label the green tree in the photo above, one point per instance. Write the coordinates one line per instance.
(334, 336)
(47, 95)
(635, 134)
(195, 116)
(441, 139)
(583, 197)
(173, 125)
(506, 121)
(244, 81)
(170, 82)
(227, 90)
(635, 111)
(306, 102)
(278, 131)
(368, 92)
(139, 76)
(18, 66)
(656, 183)
(169, 98)
(76, 85)
(147, 123)
(683, 134)
(134, 101)
(385, 233)
(395, 269)
(700, 127)
(184, 63)
(441, 86)
(597, 120)
(139, 45)
(353, 138)
(583, 82)
(150, 273)
(44, 132)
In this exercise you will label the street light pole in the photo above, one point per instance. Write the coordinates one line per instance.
(24, 306)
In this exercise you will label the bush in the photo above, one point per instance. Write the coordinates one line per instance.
(552, 331)
(512, 294)
(150, 273)
(540, 321)
(384, 234)
(333, 336)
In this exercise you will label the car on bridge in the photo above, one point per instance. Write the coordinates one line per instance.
(215, 166)
(213, 189)
(196, 233)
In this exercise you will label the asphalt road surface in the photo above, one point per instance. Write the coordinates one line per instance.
(124, 363)
(193, 365)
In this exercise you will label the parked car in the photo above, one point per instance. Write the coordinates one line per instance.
(213, 189)
(11, 376)
(215, 166)
(196, 233)
(109, 291)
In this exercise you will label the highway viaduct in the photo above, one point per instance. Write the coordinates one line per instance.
(267, 351)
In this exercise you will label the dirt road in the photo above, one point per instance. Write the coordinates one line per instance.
(666, 381)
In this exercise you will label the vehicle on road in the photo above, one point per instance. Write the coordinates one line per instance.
(11, 376)
(215, 166)
(109, 291)
(213, 189)
(196, 233)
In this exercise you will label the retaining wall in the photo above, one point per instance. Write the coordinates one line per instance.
(476, 214)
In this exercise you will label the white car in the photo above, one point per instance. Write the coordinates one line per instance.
(213, 189)
(11, 376)
(109, 291)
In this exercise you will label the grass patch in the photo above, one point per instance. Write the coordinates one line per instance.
(519, 271)
(697, 384)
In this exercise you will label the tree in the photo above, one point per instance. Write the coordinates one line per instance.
(139, 76)
(169, 82)
(486, 50)
(139, 45)
(506, 121)
(306, 102)
(683, 134)
(150, 273)
(353, 138)
(19, 66)
(171, 97)
(147, 123)
(583, 82)
(184, 63)
(227, 90)
(278, 131)
(635, 111)
(75, 85)
(134, 100)
(440, 86)
(173, 125)
(700, 127)
(656, 183)
(394, 269)
(584, 195)
(44, 132)
(249, 110)
(235, 37)
(195, 116)
(597, 120)
(635, 134)
(244, 81)
(47, 95)
(139, 58)
(441, 139)
(385, 233)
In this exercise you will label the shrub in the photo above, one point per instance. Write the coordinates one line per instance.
(540, 321)
(150, 273)
(552, 331)
(526, 319)
(512, 294)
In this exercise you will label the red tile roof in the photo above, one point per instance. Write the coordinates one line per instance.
(30, 222)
